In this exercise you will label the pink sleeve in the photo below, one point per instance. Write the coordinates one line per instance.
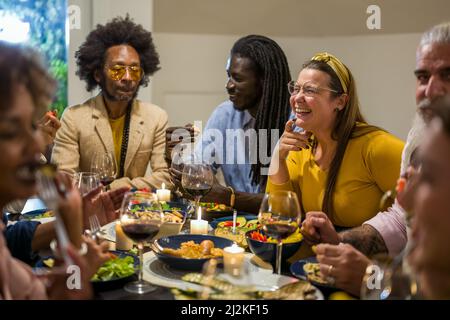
(16, 278)
(391, 224)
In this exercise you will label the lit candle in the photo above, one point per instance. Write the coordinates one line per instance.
(163, 194)
(233, 259)
(122, 241)
(199, 226)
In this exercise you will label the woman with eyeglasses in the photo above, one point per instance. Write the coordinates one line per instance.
(339, 165)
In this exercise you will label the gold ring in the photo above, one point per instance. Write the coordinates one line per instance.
(330, 268)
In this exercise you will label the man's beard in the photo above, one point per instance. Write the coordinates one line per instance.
(424, 110)
(108, 95)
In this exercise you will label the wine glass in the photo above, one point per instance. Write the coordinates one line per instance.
(197, 180)
(280, 216)
(389, 279)
(181, 155)
(104, 164)
(141, 217)
(86, 181)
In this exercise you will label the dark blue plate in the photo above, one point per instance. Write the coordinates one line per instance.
(267, 250)
(113, 283)
(174, 242)
(33, 214)
(297, 271)
(248, 217)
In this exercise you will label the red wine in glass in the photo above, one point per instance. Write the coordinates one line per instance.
(106, 181)
(279, 230)
(140, 232)
(198, 190)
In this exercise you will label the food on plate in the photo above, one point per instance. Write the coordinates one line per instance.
(213, 206)
(227, 233)
(50, 262)
(295, 237)
(167, 207)
(115, 268)
(225, 230)
(174, 217)
(47, 214)
(171, 215)
(192, 250)
(300, 290)
(222, 289)
(312, 271)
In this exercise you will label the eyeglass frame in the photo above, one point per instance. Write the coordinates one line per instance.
(292, 84)
(127, 68)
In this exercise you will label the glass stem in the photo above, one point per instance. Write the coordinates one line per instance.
(279, 252)
(141, 261)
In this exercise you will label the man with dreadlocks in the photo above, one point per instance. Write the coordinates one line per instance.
(118, 57)
(238, 136)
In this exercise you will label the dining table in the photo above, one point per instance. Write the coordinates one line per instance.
(162, 292)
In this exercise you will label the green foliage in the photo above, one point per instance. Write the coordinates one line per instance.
(47, 19)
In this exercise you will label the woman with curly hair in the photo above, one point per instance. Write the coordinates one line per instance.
(118, 57)
(27, 89)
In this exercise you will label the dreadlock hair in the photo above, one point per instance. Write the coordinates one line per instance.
(120, 31)
(21, 65)
(344, 128)
(272, 67)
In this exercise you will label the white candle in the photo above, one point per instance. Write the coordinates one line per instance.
(122, 241)
(233, 259)
(199, 226)
(163, 194)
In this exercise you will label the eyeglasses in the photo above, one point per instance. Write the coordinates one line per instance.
(117, 72)
(308, 89)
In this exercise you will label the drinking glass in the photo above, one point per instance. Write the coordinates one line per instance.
(141, 217)
(280, 216)
(86, 181)
(197, 180)
(104, 164)
(389, 279)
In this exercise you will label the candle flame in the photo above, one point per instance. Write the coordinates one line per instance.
(163, 186)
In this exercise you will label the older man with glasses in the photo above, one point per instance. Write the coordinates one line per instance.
(118, 57)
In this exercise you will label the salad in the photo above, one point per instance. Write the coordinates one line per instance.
(295, 237)
(213, 206)
(115, 268)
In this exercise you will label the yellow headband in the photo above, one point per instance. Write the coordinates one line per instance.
(337, 66)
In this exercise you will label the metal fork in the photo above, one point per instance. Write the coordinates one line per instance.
(95, 227)
(49, 194)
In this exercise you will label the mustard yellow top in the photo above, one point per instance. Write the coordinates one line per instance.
(370, 167)
(117, 134)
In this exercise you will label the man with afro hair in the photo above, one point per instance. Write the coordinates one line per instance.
(118, 57)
